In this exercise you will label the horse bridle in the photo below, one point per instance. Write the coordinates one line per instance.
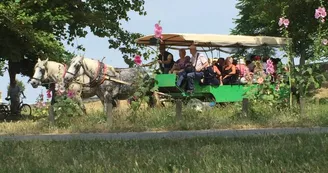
(42, 74)
(77, 69)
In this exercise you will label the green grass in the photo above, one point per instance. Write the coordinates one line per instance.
(228, 117)
(290, 153)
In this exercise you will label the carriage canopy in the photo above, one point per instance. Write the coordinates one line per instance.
(215, 40)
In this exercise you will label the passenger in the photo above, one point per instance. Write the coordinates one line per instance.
(180, 64)
(275, 62)
(193, 70)
(220, 64)
(264, 63)
(166, 62)
(258, 72)
(244, 73)
(234, 62)
(229, 72)
(212, 74)
(251, 65)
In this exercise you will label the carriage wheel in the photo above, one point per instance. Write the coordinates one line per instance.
(25, 111)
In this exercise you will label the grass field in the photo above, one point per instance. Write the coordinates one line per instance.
(163, 119)
(97, 106)
(292, 153)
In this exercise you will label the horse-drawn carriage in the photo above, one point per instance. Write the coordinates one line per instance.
(166, 83)
(93, 77)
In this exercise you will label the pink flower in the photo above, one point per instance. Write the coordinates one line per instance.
(277, 87)
(158, 31)
(286, 22)
(260, 80)
(323, 20)
(324, 41)
(270, 67)
(283, 21)
(320, 13)
(137, 60)
(70, 94)
(48, 94)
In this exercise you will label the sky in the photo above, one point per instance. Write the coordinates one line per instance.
(177, 16)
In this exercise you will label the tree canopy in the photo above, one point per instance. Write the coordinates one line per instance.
(31, 29)
(260, 17)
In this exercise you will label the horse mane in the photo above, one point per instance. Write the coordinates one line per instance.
(94, 64)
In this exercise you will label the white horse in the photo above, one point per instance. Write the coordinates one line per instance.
(53, 72)
(110, 83)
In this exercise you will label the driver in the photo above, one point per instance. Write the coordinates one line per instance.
(165, 59)
(14, 92)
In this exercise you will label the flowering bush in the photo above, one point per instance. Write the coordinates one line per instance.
(272, 88)
(41, 106)
(65, 107)
(146, 86)
(310, 75)
(300, 78)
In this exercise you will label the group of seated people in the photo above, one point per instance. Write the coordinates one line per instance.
(216, 71)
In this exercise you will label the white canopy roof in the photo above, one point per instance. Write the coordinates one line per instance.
(215, 40)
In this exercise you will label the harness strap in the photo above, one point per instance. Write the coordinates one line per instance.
(94, 81)
(104, 74)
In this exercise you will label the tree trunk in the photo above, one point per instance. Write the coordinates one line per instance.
(302, 60)
(12, 69)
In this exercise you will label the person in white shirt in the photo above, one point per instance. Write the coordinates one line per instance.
(195, 70)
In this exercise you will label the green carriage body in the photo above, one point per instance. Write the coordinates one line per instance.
(166, 83)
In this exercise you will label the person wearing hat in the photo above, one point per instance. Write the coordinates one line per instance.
(244, 73)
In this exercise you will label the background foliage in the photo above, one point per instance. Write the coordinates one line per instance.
(35, 29)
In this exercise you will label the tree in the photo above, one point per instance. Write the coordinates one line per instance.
(260, 17)
(31, 29)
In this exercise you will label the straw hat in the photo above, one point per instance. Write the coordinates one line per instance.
(242, 61)
(214, 60)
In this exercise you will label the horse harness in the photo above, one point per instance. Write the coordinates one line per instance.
(102, 75)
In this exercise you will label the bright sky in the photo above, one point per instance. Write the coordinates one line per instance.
(182, 16)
